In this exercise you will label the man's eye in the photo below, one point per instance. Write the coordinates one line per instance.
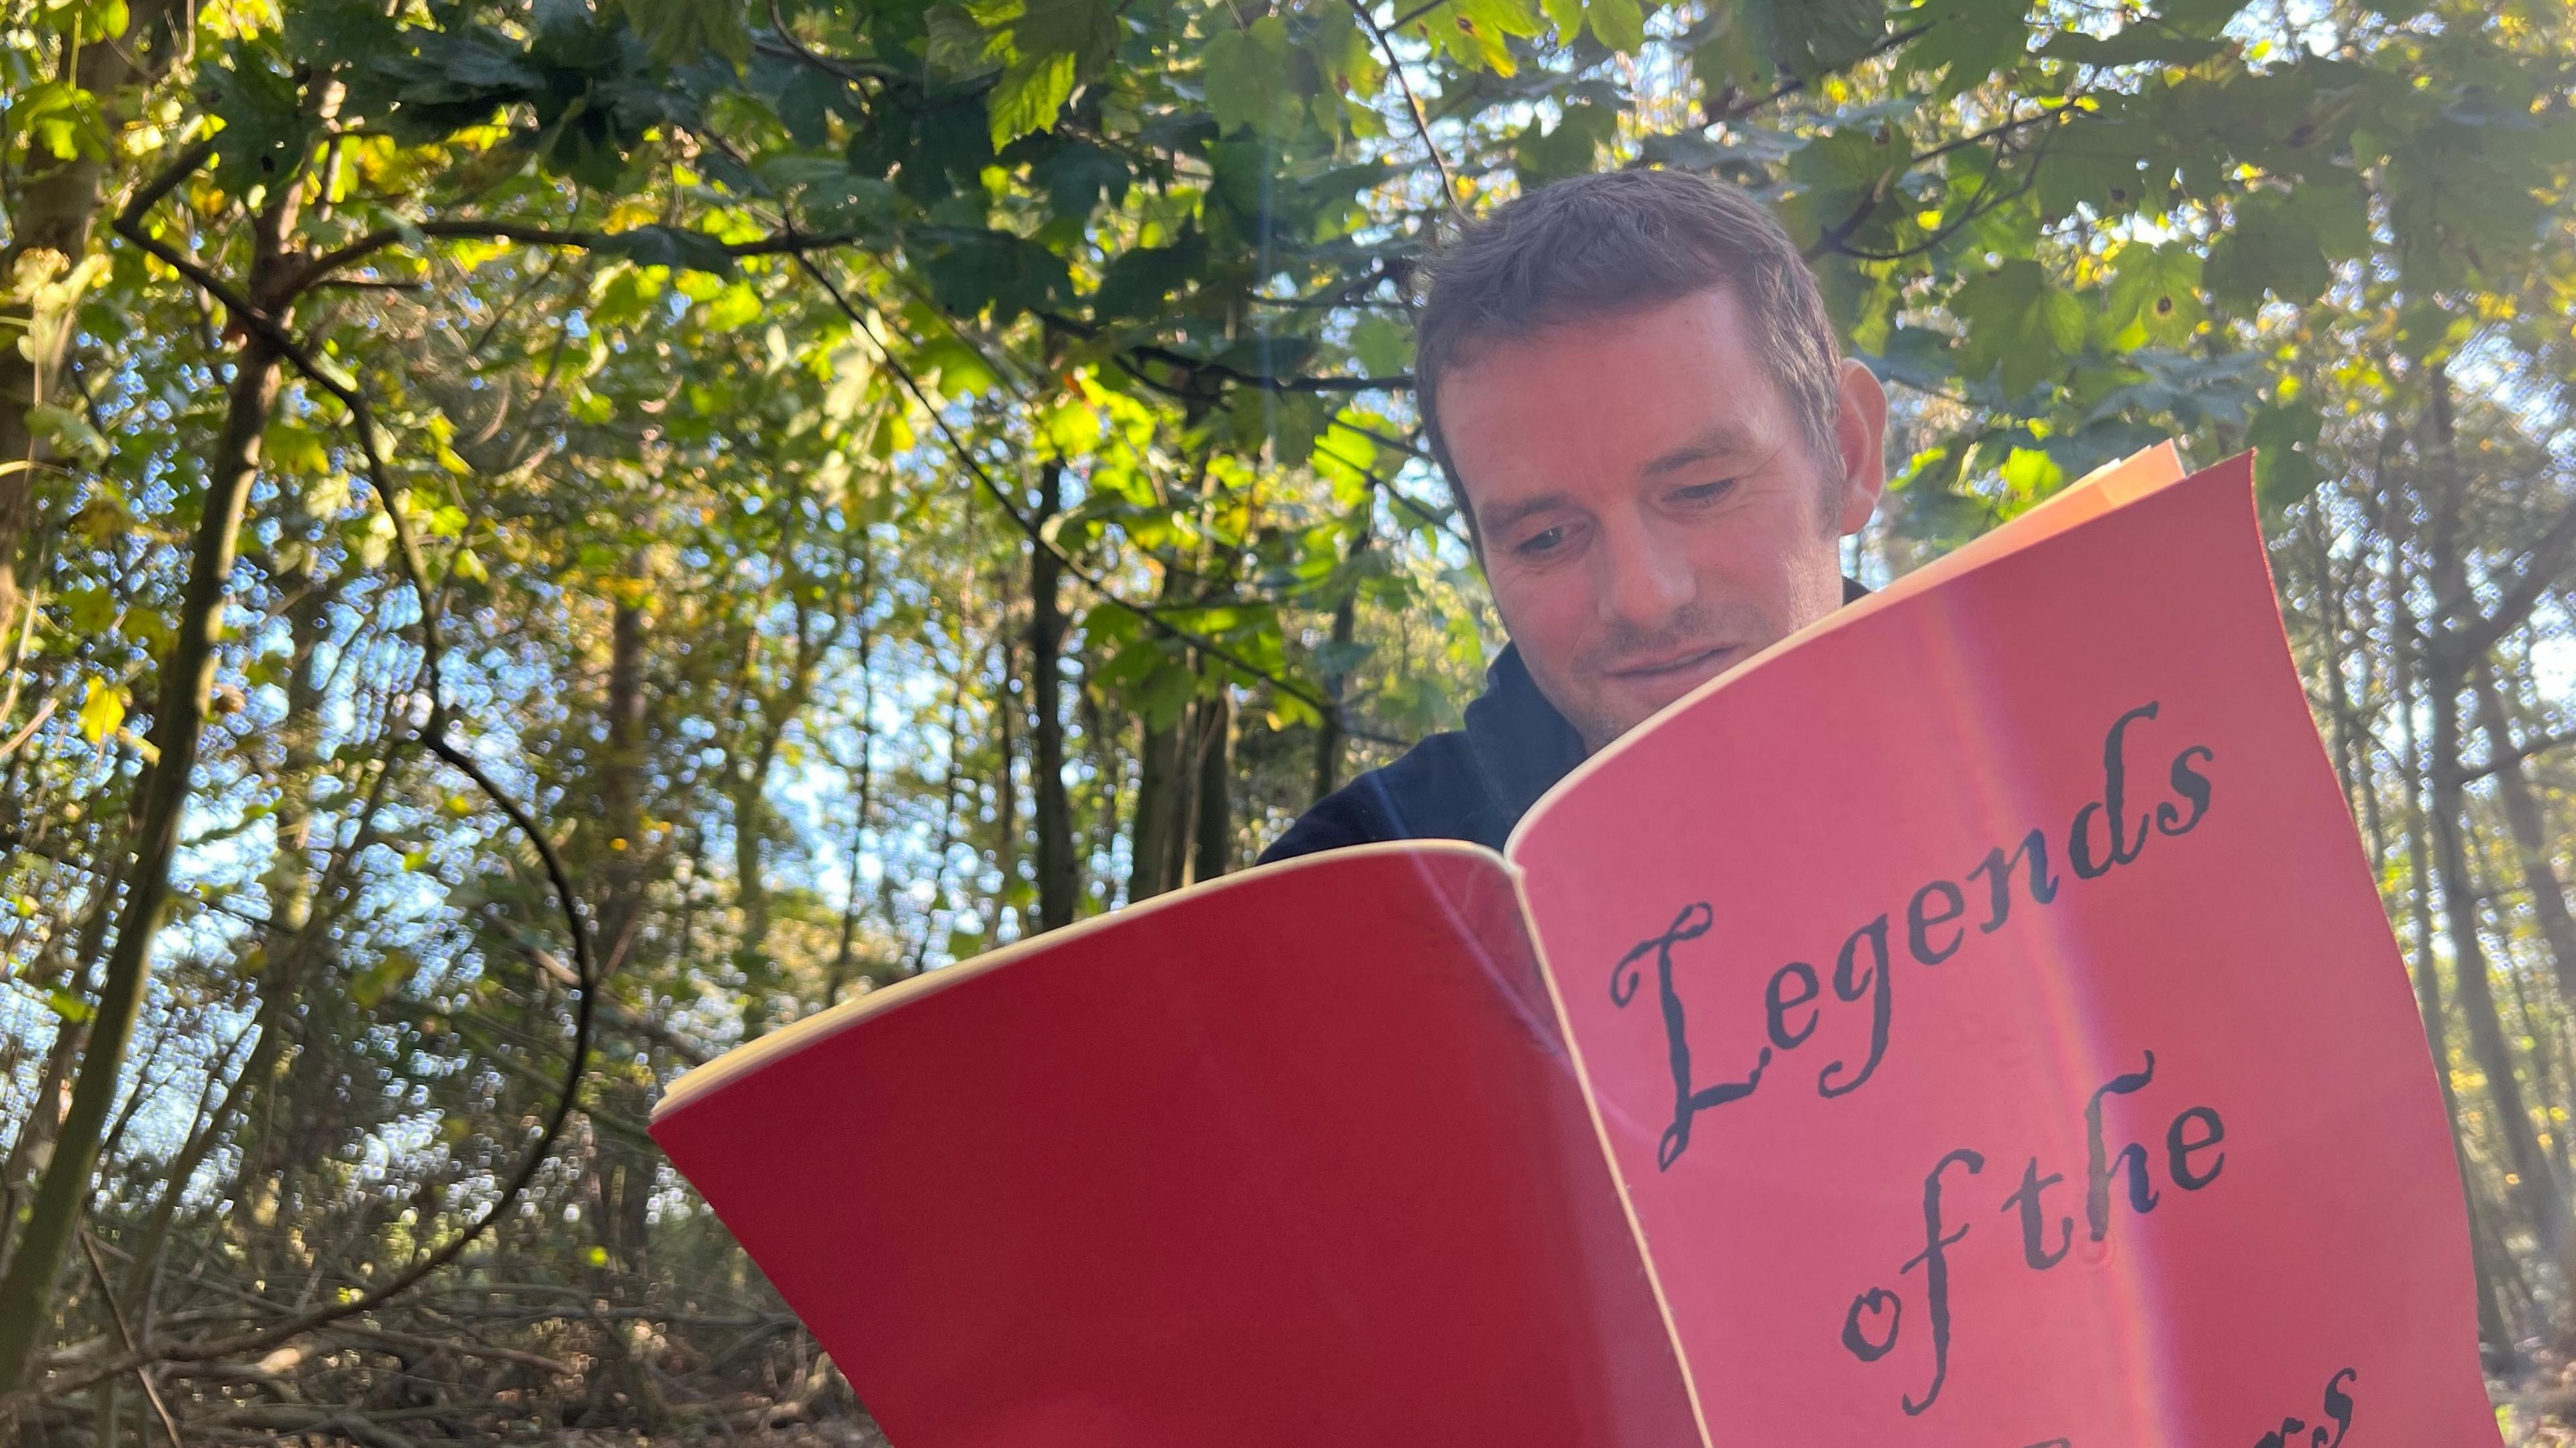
(1705, 492)
(1541, 543)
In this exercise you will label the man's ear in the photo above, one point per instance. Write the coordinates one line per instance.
(1860, 435)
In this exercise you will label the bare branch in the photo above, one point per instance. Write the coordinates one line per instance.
(1412, 103)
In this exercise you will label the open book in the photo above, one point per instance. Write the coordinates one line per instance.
(1972, 1021)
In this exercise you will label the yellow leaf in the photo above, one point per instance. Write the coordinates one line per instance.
(102, 710)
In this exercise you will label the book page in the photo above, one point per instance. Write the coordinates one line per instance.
(1994, 1026)
(1295, 1157)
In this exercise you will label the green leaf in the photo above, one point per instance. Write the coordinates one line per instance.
(1071, 427)
(291, 448)
(973, 271)
(2199, 17)
(2097, 159)
(671, 246)
(1050, 45)
(2136, 43)
(2336, 210)
(1568, 148)
(956, 47)
(2029, 475)
(1136, 283)
(1842, 185)
(50, 291)
(2019, 323)
(381, 979)
(2284, 438)
(1477, 34)
(1241, 71)
(1746, 45)
(1935, 515)
(2270, 245)
(687, 29)
(805, 104)
(732, 309)
(1382, 345)
(1077, 176)
(955, 368)
(1618, 24)
(1967, 41)
(1084, 29)
(69, 430)
(71, 1008)
(1028, 96)
(2154, 296)
(266, 130)
(90, 610)
(1917, 357)
(64, 120)
(1819, 37)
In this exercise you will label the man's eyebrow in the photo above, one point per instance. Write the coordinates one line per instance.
(1502, 519)
(1725, 439)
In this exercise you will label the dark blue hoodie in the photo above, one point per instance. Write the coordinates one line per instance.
(1471, 784)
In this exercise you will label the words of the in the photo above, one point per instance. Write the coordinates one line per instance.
(2192, 1159)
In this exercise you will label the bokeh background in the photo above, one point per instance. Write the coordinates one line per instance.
(812, 491)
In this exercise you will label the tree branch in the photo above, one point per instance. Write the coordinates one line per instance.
(2539, 573)
(526, 235)
(1036, 535)
(432, 737)
(1413, 104)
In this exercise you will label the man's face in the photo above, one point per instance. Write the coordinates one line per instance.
(1648, 511)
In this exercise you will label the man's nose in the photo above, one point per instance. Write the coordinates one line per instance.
(1644, 578)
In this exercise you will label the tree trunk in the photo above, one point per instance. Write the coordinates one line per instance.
(1214, 814)
(950, 778)
(751, 894)
(1057, 887)
(2446, 675)
(1006, 785)
(56, 211)
(2548, 1083)
(1180, 830)
(621, 773)
(187, 680)
(289, 885)
(1100, 747)
(2492, 1325)
(1159, 782)
(750, 797)
(2536, 1184)
(864, 815)
(1330, 739)
(2530, 830)
(28, 1155)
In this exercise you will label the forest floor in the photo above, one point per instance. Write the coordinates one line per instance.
(2536, 1408)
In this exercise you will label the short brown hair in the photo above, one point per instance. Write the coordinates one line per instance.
(1621, 241)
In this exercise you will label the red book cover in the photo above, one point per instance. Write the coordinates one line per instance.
(1970, 1022)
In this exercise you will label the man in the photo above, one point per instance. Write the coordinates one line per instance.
(1633, 388)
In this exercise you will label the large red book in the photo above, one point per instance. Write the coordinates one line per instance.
(1972, 1022)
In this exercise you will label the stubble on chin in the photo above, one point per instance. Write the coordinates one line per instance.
(1602, 710)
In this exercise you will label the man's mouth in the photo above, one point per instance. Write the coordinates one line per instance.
(1673, 666)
